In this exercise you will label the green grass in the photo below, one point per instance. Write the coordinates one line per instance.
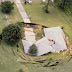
(13, 17)
(8, 61)
(63, 67)
(55, 17)
(40, 33)
(29, 66)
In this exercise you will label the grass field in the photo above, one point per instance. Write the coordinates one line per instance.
(64, 67)
(12, 18)
(8, 61)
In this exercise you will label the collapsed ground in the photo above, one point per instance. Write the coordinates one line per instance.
(13, 63)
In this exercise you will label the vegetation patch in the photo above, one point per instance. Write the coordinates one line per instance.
(65, 5)
(11, 34)
(8, 61)
(33, 50)
(7, 6)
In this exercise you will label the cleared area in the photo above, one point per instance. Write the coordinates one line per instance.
(29, 35)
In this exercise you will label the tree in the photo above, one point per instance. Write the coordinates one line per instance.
(33, 50)
(7, 6)
(64, 2)
(65, 5)
(46, 7)
(11, 34)
(68, 7)
(21, 70)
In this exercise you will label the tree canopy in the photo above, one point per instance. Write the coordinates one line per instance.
(33, 49)
(65, 5)
(11, 34)
(7, 6)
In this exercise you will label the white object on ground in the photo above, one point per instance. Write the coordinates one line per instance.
(26, 45)
(55, 34)
(43, 0)
(52, 42)
(29, 34)
(42, 46)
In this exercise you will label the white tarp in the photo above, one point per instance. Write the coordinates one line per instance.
(26, 45)
(52, 42)
(55, 34)
(30, 38)
(29, 34)
(42, 46)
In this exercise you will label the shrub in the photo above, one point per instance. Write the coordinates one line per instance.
(65, 5)
(21, 70)
(7, 6)
(46, 8)
(33, 50)
(11, 34)
(20, 24)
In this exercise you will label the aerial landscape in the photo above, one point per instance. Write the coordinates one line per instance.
(35, 35)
